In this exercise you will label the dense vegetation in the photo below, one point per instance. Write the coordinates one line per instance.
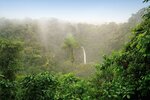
(30, 61)
(52, 45)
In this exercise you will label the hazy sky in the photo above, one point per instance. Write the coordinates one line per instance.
(91, 11)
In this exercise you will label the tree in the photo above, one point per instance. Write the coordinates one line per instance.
(38, 87)
(126, 74)
(9, 63)
(9, 58)
(73, 88)
(145, 0)
(70, 44)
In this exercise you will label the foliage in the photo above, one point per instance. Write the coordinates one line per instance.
(39, 87)
(7, 90)
(10, 57)
(45, 86)
(125, 75)
(43, 39)
(145, 0)
(9, 64)
(73, 88)
(70, 44)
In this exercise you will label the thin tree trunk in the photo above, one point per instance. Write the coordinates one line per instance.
(72, 55)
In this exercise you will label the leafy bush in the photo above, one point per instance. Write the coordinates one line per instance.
(7, 90)
(126, 74)
(73, 88)
(9, 58)
(39, 87)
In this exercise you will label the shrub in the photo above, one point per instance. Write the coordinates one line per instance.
(39, 87)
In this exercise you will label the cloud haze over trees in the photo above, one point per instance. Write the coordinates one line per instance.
(51, 59)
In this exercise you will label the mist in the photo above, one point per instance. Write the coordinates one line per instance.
(74, 49)
(44, 40)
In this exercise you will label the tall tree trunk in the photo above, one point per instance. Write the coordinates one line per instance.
(72, 56)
